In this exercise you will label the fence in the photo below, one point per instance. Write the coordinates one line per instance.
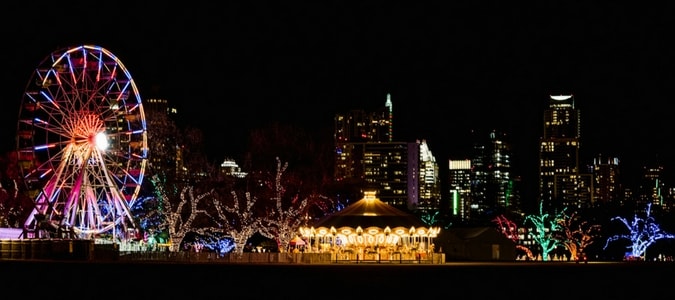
(59, 249)
(88, 250)
(276, 257)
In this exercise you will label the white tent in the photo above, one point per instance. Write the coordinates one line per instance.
(297, 241)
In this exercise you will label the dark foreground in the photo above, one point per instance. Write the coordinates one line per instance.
(528, 280)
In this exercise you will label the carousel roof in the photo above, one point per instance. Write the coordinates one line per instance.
(370, 212)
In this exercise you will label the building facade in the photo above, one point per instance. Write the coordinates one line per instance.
(404, 174)
(561, 184)
(492, 186)
(459, 190)
(164, 153)
(606, 180)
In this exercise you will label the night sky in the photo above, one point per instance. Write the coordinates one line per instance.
(450, 68)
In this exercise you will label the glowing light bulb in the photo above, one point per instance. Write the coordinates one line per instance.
(101, 141)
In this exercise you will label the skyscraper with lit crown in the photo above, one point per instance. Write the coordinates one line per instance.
(404, 174)
(355, 128)
(561, 184)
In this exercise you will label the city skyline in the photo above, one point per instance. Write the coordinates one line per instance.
(449, 68)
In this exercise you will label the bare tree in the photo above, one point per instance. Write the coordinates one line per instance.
(546, 228)
(282, 221)
(510, 230)
(242, 223)
(181, 218)
(578, 235)
(643, 233)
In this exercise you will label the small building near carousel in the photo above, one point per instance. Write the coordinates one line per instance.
(476, 244)
(372, 230)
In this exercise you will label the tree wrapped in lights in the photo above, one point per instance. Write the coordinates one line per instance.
(579, 235)
(149, 215)
(643, 233)
(546, 229)
(242, 224)
(282, 222)
(179, 221)
(510, 230)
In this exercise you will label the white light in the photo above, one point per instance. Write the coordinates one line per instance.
(561, 97)
(101, 141)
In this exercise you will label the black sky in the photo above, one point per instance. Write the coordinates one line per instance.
(450, 67)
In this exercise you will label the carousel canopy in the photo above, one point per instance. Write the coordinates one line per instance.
(370, 212)
(371, 222)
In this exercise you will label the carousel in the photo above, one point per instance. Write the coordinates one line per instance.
(371, 229)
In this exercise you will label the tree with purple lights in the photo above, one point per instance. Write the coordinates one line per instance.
(546, 231)
(643, 233)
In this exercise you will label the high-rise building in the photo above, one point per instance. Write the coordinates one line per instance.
(491, 179)
(651, 190)
(424, 194)
(405, 175)
(386, 169)
(561, 184)
(459, 189)
(356, 127)
(164, 155)
(607, 185)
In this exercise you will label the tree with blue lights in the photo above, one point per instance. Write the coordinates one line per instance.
(643, 233)
(546, 230)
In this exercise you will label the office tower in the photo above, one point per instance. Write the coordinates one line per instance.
(491, 182)
(164, 155)
(424, 192)
(561, 185)
(386, 171)
(356, 127)
(669, 202)
(459, 189)
(361, 126)
(651, 190)
(404, 174)
(606, 181)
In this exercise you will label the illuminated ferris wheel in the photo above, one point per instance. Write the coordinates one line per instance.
(82, 144)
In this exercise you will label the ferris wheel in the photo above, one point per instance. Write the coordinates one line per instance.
(81, 144)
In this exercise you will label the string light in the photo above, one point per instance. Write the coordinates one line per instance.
(282, 224)
(643, 233)
(175, 224)
(510, 230)
(580, 238)
(545, 238)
